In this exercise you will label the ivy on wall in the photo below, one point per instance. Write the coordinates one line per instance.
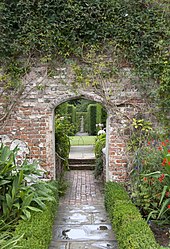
(44, 30)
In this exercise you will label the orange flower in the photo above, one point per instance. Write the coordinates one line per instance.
(163, 144)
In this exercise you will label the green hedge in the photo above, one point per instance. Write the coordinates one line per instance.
(99, 145)
(92, 112)
(132, 231)
(71, 111)
(38, 230)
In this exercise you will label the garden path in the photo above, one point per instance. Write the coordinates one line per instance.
(82, 222)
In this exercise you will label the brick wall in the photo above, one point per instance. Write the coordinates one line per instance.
(32, 119)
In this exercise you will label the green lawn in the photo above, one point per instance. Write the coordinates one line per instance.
(82, 140)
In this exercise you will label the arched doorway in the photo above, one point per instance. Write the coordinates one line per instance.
(87, 126)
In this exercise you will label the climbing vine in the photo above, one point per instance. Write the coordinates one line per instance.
(42, 30)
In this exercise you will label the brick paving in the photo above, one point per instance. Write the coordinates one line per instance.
(81, 221)
(83, 189)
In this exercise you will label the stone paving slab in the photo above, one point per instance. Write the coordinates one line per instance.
(81, 208)
(83, 232)
(82, 152)
(81, 217)
(82, 222)
(84, 245)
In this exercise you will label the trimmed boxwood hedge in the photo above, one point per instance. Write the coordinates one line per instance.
(132, 231)
(37, 232)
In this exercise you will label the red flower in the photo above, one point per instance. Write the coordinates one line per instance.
(167, 141)
(167, 194)
(160, 179)
(163, 144)
(168, 206)
(168, 151)
(168, 163)
(160, 148)
(164, 162)
(149, 143)
(145, 179)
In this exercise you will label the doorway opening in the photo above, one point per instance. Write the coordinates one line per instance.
(81, 128)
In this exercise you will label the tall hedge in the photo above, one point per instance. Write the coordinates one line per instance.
(92, 111)
(71, 111)
(98, 113)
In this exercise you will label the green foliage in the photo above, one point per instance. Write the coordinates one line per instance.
(20, 201)
(131, 230)
(62, 142)
(139, 31)
(7, 239)
(17, 198)
(37, 232)
(92, 119)
(99, 145)
(71, 111)
(150, 180)
(140, 132)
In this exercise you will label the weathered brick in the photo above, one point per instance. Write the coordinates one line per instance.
(32, 119)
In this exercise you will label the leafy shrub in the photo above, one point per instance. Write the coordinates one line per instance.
(63, 128)
(131, 230)
(124, 212)
(7, 238)
(150, 179)
(137, 235)
(37, 232)
(99, 145)
(17, 198)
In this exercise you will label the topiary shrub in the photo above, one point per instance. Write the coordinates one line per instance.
(136, 234)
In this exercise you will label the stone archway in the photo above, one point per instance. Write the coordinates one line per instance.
(32, 118)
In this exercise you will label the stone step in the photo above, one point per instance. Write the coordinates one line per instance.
(73, 161)
(81, 166)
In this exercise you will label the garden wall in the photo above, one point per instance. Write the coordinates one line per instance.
(31, 122)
